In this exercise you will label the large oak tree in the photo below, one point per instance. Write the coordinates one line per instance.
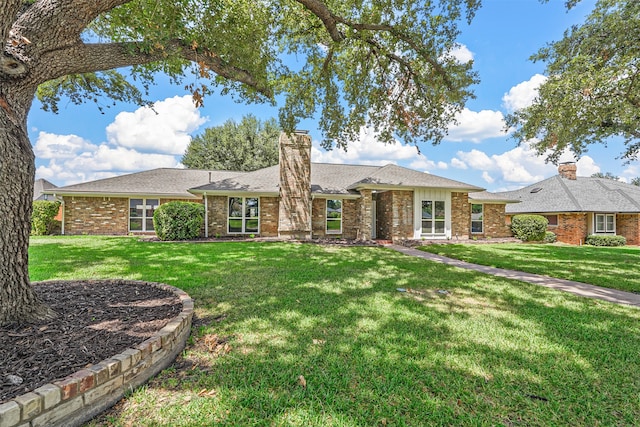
(593, 88)
(386, 64)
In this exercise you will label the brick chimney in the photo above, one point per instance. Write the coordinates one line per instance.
(568, 170)
(294, 219)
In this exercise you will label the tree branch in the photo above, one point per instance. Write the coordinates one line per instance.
(8, 12)
(87, 58)
(327, 17)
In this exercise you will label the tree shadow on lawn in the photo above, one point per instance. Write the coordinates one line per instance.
(486, 351)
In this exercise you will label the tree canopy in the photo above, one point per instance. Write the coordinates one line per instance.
(593, 88)
(386, 64)
(245, 146)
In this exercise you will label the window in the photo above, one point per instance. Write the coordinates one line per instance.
(141, 214)
(244, 215)
(334, 216)
(433, 217)
(553, 219)
(477, 216)
(605, 223)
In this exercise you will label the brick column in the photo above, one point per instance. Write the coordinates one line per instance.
(366, 206)
(294, 214)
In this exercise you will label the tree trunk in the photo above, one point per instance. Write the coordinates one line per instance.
(18, 301)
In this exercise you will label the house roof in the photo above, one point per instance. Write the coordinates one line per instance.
(486, 197)
(163, 182)
(336, 179)
(584, 194)
(39, 188)
(397, 176)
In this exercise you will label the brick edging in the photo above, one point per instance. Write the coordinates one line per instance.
(84, 394)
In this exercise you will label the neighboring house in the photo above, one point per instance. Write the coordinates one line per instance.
(39, 188)
(295, 199)
(578, 206)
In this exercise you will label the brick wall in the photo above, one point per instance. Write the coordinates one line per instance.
(294, 216)
(572, 228)
(269, 216)
(218, 215)
(350, 219)
(394, 210)
(365, 207)
(460, 216)
(495, 223)
(96, 215)
(628, 225)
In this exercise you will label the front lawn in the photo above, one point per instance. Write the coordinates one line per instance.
(610, 267)
(310, 335)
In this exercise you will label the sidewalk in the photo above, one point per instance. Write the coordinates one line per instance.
(577, 288)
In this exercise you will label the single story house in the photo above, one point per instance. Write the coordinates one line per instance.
(579, 206)
(294, 199)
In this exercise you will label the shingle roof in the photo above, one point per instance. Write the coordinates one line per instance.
(398, 176)
(487, 197)
(161, 182)
(337, 179)
(39, 188)
(584, 194)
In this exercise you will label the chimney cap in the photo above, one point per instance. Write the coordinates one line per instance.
(301, 131)
(570, 162)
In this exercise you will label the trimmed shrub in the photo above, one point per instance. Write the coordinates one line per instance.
(605, 240)
(550, 237)
(529, 228)
(42, 217)
(178, 220)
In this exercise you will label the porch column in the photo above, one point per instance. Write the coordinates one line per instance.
(366, 214)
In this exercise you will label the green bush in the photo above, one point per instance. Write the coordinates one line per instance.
(42, 221)
(178, 220)
(605, 240)
(529, 228)
(550, 237)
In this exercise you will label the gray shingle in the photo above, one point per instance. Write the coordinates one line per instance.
(584, 194)
(161, 182)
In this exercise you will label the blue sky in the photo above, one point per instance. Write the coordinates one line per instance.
(81, 144)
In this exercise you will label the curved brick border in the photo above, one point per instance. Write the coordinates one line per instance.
(81, 396)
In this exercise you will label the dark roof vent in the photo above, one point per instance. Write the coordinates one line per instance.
(535, 190)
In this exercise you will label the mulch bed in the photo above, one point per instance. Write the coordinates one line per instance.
(96, 320)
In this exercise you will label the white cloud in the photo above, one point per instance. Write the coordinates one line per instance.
(367, 150)
(138, 141)
(52, 146)
(164, 129)
(461, 53)
(523, 94)
(521, 165)
(475, 126)
(488, 178)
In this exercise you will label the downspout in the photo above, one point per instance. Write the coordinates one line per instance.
(206, 216)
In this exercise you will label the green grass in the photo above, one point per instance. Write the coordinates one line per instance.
(489, 351)
(610, 267)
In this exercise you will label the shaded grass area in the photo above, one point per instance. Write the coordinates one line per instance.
(610, 267)
(301, 334)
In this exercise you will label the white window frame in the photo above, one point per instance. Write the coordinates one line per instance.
(606, 223)
(145, 206)
(434, 220)
(246, 215)
(328, 219)
(481, 220)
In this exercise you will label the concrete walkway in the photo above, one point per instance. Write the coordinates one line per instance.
(577, 288)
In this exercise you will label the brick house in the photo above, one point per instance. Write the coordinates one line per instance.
(579, 206)
(295, 199)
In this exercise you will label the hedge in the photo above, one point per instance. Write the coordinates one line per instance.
(42, 217)
(529, 228)
(605, 240)
(178, 220)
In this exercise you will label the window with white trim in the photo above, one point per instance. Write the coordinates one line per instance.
(244, 215)
(141, 214)
(477, 218)
(605, 223)
(433, 217)
(334, 216)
